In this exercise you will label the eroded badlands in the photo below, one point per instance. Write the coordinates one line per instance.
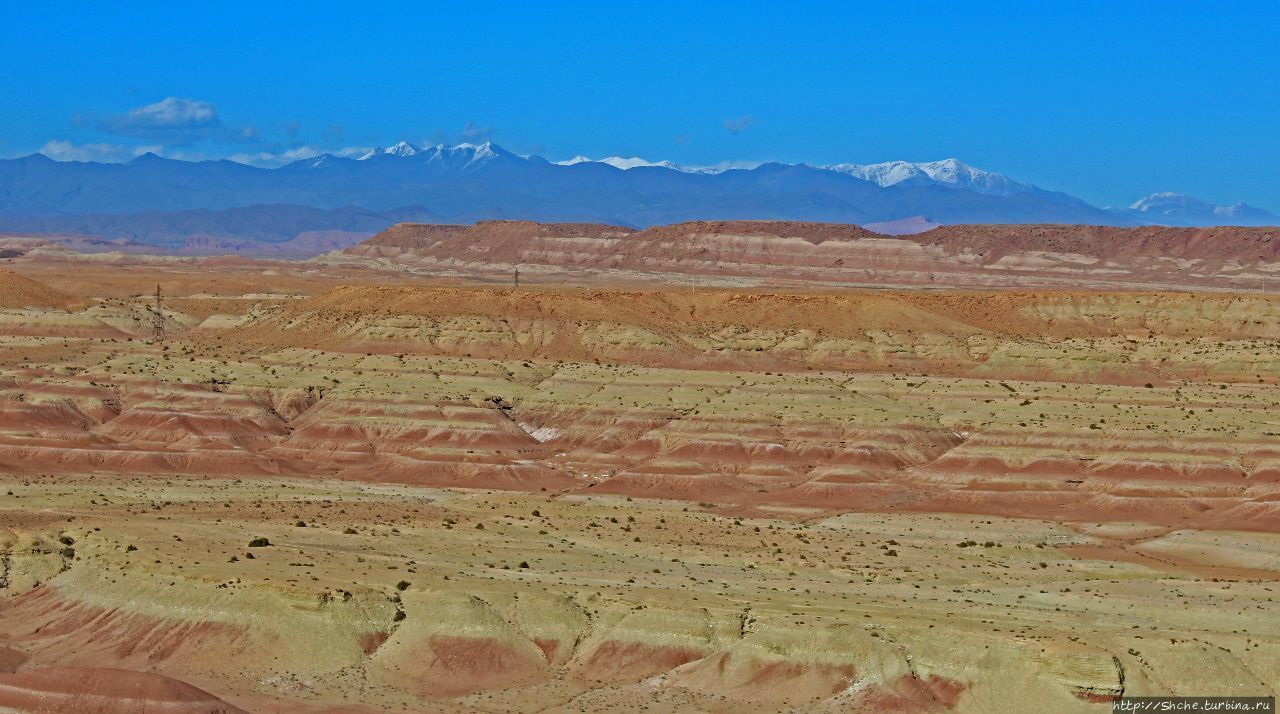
(476, 497)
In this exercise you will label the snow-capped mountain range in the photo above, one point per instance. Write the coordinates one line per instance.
(1164, 208)
(635, 162)
(467, 182)
(619, 162)
(1178, 209)
(440, 152)
(948, 172)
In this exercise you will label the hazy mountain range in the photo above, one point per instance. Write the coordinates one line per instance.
(175, 204)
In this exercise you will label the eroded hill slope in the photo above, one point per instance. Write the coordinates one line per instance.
(776, 252)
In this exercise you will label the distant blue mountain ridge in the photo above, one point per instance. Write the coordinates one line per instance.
(158, 201)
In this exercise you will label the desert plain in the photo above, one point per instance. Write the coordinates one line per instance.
(716, 467)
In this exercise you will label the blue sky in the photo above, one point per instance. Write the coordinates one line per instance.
(1105, 100)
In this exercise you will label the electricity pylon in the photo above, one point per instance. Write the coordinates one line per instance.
(157, 319)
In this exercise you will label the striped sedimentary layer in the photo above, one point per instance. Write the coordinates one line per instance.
(776, 252)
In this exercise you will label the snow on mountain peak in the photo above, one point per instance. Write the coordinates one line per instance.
(1167, 207)
(889, 173)
(1163, 208)
(1167, 199)
(953, 171)
(1170, 204)
(401, 149)
(468, 153)
(634, 162)
(619, 162)
(947, 172)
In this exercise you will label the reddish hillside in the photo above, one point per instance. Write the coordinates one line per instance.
(411, 236)
(797, 252)
(95, 689)
(17, 291)
(1245, 245)
(505, 242)
(422, 236)
(813, 233)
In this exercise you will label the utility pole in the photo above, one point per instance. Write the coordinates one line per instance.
(157, 318)
(517, 276)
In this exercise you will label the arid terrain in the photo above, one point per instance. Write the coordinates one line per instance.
(713, 467)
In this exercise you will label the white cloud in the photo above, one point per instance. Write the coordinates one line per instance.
(352, 151)
(177, 121)
(726, 166)
(269, 158)
(738, 125)
(619, 162)
(633, 162)
(174, 111)
(62, 150)
(280, 158)
(474, 133)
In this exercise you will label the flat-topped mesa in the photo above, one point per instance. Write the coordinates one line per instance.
(422, 235)
(1073, 256)
(408, 236)
(1096, 241)
(811, 232)
(1241, 244)
(425, 235)
(534, 228)
(492, 241)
